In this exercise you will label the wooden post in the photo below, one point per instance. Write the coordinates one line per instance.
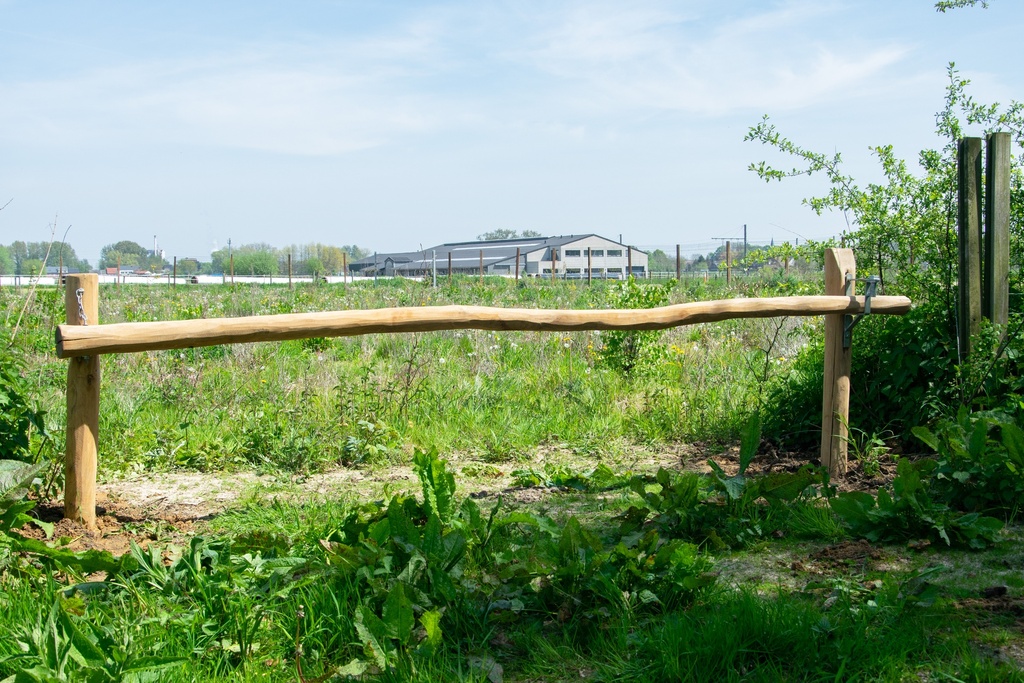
(518, 256)
(835, 411)
(969, 224)
(232, 270)
(175, 284)
(481, 266)
(728, 263)
(590, 265)
(344, 267)
(81, 443)
(995, 303)
(554, 264)
(629, 262)
(449, 266)
(679, 264)
(117, 278)
(289, 270)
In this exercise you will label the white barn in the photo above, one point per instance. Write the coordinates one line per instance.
(572, 256)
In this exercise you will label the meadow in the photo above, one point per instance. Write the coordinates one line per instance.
(530, 506)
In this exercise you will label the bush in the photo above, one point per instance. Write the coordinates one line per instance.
(904, 370)
(17, 415)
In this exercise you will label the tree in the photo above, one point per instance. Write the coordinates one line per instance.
(130, 253)
(660, 262)
(6, 262)
(314, 266)
(506, 234)
(256, 263)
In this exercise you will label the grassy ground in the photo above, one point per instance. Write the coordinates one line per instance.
(272, 524)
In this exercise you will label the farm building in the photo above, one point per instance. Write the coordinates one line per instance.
(572, 256)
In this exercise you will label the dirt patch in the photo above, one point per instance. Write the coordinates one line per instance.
(167, 507)
(118, 524)
(847, 554)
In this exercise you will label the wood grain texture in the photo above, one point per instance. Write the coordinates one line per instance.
(133, 337)
(81, 443)
(835, 411)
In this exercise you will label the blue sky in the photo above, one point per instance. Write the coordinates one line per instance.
(392, 125)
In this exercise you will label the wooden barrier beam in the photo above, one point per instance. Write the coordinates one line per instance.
(81, 305)
(75, 340)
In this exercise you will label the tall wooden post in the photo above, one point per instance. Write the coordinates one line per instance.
(81, 306)
(518, 256)
(175, 281)
(117, 278)
(481, 266)
(995, 304)
(590, 266)
(679, 264)
(450, 266)
(835, 411)
(232, 270)
(289, 270)
(554, 264)
(969, 224)
(629, 262)
(344, 267)
(728, 263)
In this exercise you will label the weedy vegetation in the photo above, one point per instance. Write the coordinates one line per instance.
(734, 561)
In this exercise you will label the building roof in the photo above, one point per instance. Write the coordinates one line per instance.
(467, 254)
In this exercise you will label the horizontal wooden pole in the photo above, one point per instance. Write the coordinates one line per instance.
(83, 340)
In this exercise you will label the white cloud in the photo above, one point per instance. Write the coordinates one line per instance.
(653, 58)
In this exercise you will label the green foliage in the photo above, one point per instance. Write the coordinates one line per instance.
(910, 512)
(600, 478)
(64, 647)
(634, 352)
(980, 464)
(18, 416)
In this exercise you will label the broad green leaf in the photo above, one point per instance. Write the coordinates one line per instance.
(431, 623)
(398, 616)
(926, 437)
(750, 439)
(370, 630)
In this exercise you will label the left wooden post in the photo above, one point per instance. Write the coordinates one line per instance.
(81, 445)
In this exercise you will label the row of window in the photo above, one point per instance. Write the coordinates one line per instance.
(594, 252)
(577, 271)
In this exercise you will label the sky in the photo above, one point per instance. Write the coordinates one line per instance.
(400, 125)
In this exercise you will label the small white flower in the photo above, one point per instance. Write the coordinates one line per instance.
(442, 361)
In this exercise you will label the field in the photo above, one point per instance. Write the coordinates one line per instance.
(482, 506)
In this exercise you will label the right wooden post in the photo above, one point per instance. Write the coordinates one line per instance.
(81, 444)
(995, 302)
(835, 411)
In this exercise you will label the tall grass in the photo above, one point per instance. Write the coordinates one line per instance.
(315, 403)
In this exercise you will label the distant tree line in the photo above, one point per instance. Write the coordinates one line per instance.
(28, 258)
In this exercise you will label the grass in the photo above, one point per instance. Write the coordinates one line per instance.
(552, 588)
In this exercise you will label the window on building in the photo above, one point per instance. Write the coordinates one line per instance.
(547, 271)
(572, 252)
(615, 252)
(597, 252)
(615, 270)
(572, 270)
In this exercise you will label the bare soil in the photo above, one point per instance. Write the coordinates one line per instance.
(168, 507)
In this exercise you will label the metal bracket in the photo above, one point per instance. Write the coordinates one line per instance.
(850, 321)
